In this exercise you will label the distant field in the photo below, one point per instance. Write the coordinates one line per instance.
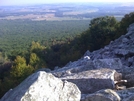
(80, 12)
(47, 17)
(60, 12)
(29, 16)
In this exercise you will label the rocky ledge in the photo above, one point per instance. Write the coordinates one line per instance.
(103, 75)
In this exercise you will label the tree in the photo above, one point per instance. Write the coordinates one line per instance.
(20, 70)
(102, 31)
(36, 47)
(37, 58)
(124, 24)
(34, 60)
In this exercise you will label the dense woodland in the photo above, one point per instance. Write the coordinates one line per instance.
(17, 35)
(21, 53)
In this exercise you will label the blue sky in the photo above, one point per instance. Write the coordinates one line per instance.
(18, 2)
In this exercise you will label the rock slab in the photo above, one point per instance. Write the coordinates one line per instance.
(91, 81)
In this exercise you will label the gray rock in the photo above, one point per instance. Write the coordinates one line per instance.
(114, 63)
(131, 61)
(130, 79)
(93, 80)
(88, 64)
(124, 40)
(66, 71)
(44, 69)
(127, 94)
(41, 86)
(131, 27)
(110, 95)
(127, 70)
(102, 95)
(87, 53)
(56, 68)
(121, 52)
(130, 98)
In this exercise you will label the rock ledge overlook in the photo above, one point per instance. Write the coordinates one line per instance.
(103, 75)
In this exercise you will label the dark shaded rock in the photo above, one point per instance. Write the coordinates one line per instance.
(102, 95)
(130, 79)
(93, 80)
(110, 95)
(127, 94)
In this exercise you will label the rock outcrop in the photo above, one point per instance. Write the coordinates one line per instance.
(118, 56)
(102, 95)
(130, 79)
(91, 81)
(42, 86)
(122, 48)
(127, 94)
(110, 95)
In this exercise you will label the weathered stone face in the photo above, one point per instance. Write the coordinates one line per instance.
(102, 95)
(110, 95)
(114, 63)
(43, 87)
(90, 81)
(130, 79)
(127, 94)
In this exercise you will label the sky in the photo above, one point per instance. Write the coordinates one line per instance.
(21, 2)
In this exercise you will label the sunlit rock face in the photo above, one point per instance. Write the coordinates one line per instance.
(42, 86)
(94, 80)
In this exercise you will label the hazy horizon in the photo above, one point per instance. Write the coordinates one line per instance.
(25, 2)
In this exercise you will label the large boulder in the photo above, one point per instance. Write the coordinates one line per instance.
(102, 95)
(42, 86)
(110, 95)
(88, 64)
(91, 81)
(127, 94)
(114, 63)
(130, 79)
